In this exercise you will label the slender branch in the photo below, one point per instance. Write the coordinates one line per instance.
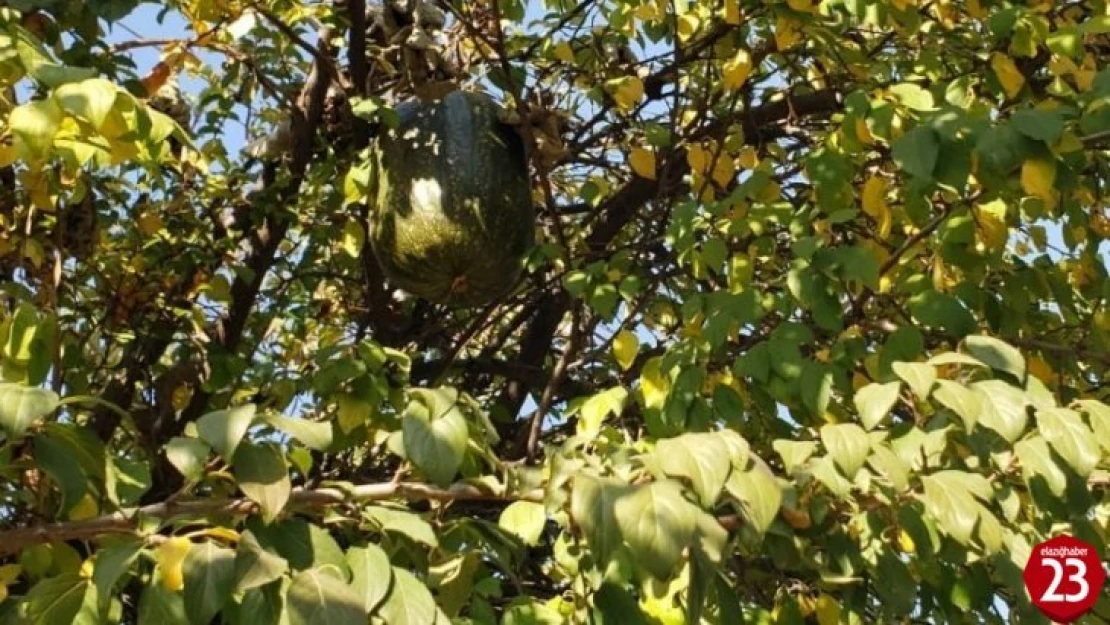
(548, 397)
(127, 521)
(356, 55)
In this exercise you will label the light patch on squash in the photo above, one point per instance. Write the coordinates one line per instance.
(426, 195)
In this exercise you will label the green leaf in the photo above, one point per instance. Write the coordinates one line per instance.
(112, 563)
(1099, 414)
(302, 544)
(36, 123)
(1004, 408)
(997, 354)
(794, 453)
(941, 310)
(402, 522)
(875, 401)
(209, 573)
(62, 600)
(887, 463)
(824, 470)
(262, 606)
(614, 605)
(315, 435)
(371, 575)
(1070, 437)
(599, 407)
(161, 605)
(918, 375)
(224, 429)
(1037, 462)
(410, 603)
(895, 586)
(254, 565)
(90, 100)
(657, 523)
(315, 598)
(913, 96)
(816, 383)
(955, 358)
(759, 494)
(1039, 124)
(126, 480)
(264, 477)
(435, 442)
(524, 519)
(592, 507)
(21, 405)
(953, 499)
(352, 411)
(959, 399)
(189, 456)
(848, 445)
(916, 152)
(701, 458)
(56, 459)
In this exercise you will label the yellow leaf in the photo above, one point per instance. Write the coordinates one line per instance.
(874, 204)
(1008, 74)
(732, 12)
(991, 229)
(905, 542)
(85, 508)
(863, 133)
(627, 92)
(736, 70)
(7, 154)
(149, 223)
(975, 9)
(803, 6)
(787, 33)
(564, 52)
(625, 348)
(748, 158)
(1038, 177)
(723, 170)
(687, 26)
(874, 196)
(1042, 370)
(9, 573)
(642, 161)
(354, 236)
(221, 533)
(654, 385)
(827, 609)
(171, 557)
(698, 158)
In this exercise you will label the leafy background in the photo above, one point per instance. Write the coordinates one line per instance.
(817, 328)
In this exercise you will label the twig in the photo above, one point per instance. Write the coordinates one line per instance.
(557, 375)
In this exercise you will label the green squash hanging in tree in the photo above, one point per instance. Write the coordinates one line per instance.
(452, 213)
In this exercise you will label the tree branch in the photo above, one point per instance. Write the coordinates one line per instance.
(127, 521)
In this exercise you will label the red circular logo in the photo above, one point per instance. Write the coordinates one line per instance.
(1064, 578)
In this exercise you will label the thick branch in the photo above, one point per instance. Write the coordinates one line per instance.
(126, 521)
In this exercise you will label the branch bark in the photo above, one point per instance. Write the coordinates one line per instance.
(127, 521)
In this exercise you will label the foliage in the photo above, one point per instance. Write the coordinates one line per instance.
(817, 326)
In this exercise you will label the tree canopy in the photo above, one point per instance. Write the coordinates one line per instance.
(816, 327)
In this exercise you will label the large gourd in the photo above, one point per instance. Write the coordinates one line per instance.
(452, 213)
